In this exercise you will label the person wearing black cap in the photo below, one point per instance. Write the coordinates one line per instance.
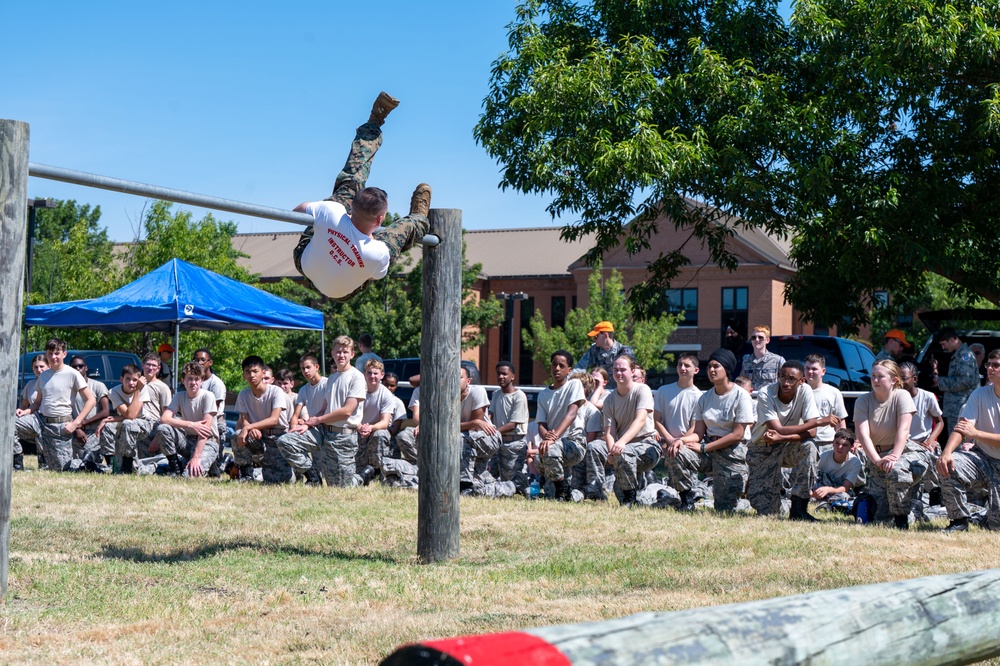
(715, 442)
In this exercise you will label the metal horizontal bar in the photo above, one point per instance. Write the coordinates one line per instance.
(178, 196)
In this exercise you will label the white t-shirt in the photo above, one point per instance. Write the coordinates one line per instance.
(983, 409)
(829, 400)
(721, 413)
(398, 409)
(343, 385)
(831, 473)
(922, 423)
(216, 387)
(364, 358)
(312, 398)
(771, 408)
(883, 417)
(619, 411)
(476, 399)
(553, 403)
(591, 417)
(675, 407)
(510, 407)
(160, 395)
(194, 409)
(58, 391)
(99, 389)
(149, 409)
(259, 408)
(30, 392)
(415, 398)
(377, 403)
(339, 259)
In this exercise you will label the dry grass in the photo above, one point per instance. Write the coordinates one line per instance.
(154, 570)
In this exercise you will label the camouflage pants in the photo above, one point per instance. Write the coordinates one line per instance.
(127, 439)
(341, 450)
(511, 458)
(558, 461)
(398, 236)
(406, 440)
(894, 490)
(727, 466)
(399, 473)
(372, 449)
(487, 486)
(634, 461)
(27, 428)
(174, 441)
(974, 470)
(477, 449)
(55, 445)
(764, 464)
(90, 448)
(263, 453)
(596, 460)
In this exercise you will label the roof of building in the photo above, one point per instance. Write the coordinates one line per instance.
(523, 252)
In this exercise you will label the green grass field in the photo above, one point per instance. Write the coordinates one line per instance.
(155, 570)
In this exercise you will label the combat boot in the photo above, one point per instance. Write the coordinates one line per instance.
(18, 462)
(384, 103)
(629, 497)
(312, 477)
(959, 525)
(595, 491)
(367, 473)
(246, 473)
(175, 465)
(127, 465)
(563, 491)
(420, 202)
(800, 510)
(109, 461)
(901, 522)
(688, 501)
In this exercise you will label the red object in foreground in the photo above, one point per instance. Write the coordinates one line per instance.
(491, 650)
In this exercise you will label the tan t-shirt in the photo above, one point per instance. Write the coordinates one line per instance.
(883, 417)
(619, 411)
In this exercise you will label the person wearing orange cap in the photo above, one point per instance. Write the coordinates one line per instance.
(166, 374)
(603, 351)
(895, 344)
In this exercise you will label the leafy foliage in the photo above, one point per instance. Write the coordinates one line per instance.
(866, 131)
(606, 302)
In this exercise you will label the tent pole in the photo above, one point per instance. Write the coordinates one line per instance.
(322, 350)
(177, 353)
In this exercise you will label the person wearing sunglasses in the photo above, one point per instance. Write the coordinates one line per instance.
(761, 366)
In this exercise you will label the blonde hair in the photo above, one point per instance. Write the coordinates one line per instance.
(374, 363)
(344, 341)
(893, 369)
(588, 381)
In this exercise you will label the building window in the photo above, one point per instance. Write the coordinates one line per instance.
(558, 311)
(880, 299)
(734, 309)
(686, 301)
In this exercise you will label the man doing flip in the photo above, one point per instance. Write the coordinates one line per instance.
(347, 247)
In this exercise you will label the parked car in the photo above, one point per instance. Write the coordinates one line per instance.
(973, 325)
(104, 366)
(848, 363)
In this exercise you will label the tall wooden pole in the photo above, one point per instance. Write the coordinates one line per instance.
(440, 363)
(13, 206)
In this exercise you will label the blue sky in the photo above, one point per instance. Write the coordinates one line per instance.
(258, 101)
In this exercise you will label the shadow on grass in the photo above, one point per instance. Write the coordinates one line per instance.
(132, 554)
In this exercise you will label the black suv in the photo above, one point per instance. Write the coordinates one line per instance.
(407, 367)
(973, 325)
(104, 366)
(848, 363)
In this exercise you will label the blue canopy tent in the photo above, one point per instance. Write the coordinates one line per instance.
(180, 296)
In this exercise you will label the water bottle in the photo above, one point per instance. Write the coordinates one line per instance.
(535, 489)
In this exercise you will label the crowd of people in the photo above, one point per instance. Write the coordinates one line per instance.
(769, 437)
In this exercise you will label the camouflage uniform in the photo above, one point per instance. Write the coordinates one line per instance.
(974, 470)
(174, 441)
(894, 490)
(477, 449)
(27, 428)
(556, 464)
(263, 453)
(764, 464)
(372, 449)
(634, 461)
(512, 455)
(957, 385)
(398, 236)
(597, 357)
(727, 466)
(596, 460)
(764, 370)
(127, 439)
(407, 442)
(399, 473)
(299, 449)
(884, 355)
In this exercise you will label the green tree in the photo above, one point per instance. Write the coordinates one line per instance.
(606, 302)
(866, 131)
(72, 254)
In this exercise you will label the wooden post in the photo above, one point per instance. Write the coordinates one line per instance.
(13, 208)
(440, 362)
(949, 619)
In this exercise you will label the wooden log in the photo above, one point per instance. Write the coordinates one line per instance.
(440, 360)
(951, 619)
(13, 210)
